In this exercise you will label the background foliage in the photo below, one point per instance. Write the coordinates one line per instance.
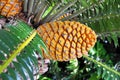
(102, 16)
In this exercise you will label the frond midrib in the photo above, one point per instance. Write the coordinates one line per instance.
(17, 51)
(96, 18)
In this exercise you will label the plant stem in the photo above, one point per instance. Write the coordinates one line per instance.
(101, 64)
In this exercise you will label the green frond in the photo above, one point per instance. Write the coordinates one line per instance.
(50, 12)
(106, 69)
(62, 9)
(40, 13)
(102, 16)
(57, 10)
(19, 50)
(16, 52)
(103, 65)
(19, 43)
(98, 63)
(81, 7)
(39, 10)
(105, 16)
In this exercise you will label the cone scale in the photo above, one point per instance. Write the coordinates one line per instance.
(10, 8)
(66, 40)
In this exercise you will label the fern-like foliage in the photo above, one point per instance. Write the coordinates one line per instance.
(99, 55)
(17, 60)
(96, 70)
(19, 43)
(103, 16)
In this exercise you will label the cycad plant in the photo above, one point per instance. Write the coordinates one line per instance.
(32, 30)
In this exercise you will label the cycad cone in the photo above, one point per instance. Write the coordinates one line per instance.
(10, 8)
(66, 40)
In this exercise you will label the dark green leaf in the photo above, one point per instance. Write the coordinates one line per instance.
(21, 70)
(13, 74)
(26, 66)
(6, 77)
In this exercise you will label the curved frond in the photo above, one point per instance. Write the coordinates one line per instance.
(103, 65)
(20, 45)
(15, 39)
(103, 16)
